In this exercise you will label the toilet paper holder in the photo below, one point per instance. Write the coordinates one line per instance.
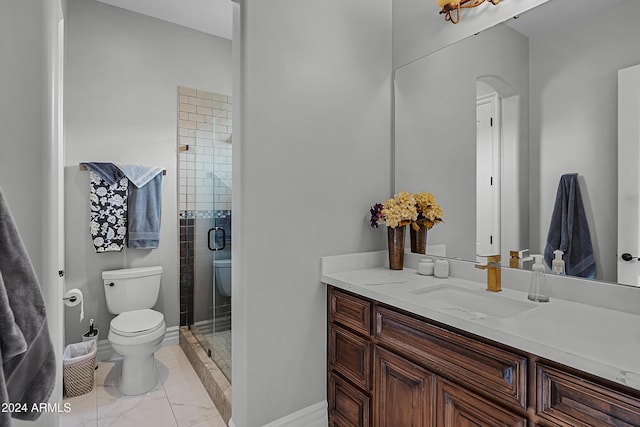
(72, 298)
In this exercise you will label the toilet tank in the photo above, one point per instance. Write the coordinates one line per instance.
(131, 288)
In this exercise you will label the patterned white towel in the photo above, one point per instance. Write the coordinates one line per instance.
(108, 217)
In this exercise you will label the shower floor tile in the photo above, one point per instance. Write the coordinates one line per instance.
(179, 399)
(220, 344)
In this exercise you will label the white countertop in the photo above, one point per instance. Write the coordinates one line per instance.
(597, 340)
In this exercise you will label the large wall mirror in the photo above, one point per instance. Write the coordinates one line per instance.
(490, 124)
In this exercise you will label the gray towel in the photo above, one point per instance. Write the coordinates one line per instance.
(569, 230)
(28, 362)
(144, 214)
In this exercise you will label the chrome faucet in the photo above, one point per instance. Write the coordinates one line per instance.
(493, 268)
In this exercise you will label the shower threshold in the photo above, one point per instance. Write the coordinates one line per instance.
(212, 378)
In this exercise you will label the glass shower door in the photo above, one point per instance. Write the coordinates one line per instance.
(208, 197)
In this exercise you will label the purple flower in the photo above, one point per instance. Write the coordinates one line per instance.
(376, 214)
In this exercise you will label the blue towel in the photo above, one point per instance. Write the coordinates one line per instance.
(569, 231)
(109, 172)
(28, 364)
(145, 202)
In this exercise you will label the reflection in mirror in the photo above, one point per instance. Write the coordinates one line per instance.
(554, 82)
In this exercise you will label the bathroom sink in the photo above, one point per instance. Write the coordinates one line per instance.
(469, 303)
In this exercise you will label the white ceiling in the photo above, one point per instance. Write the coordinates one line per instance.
(209, 16)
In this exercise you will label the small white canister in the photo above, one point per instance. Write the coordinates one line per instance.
(426, 267)
(441, 268)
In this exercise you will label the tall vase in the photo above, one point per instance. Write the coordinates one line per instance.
(418, 240)
(395, 238)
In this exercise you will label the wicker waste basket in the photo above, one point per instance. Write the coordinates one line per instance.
(79, 361)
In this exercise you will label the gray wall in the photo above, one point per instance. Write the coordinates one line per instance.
(21, 118)
(435, 127)
(312, 143)
(574, 120)
(123, 70)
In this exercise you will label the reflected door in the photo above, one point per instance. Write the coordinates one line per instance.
(629, 176)
(487, 175)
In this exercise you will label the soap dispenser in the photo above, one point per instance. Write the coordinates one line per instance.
(557, 265)
(538, 290)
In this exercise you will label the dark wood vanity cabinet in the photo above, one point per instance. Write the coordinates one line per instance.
(387, 368)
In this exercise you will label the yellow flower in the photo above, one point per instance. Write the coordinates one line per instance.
(429, 212)
(400, 209)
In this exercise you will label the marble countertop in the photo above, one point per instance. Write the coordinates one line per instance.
(597, 340)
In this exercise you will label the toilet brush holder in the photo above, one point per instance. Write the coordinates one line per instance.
(91, 334)
(88, 336)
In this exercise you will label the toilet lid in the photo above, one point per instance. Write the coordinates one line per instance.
(136, 322)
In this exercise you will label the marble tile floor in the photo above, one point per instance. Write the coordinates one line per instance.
(179, 399)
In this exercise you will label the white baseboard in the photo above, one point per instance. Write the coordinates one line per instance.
(311, 416)
(105, 352)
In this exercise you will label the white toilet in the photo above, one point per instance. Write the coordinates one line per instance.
(137, 331)
(222, 276)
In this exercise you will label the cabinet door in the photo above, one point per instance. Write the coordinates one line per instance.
(403, 392)
(457, 407)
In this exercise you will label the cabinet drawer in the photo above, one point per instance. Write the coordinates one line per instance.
(350, 311)
(568, 399)
(350, 355)
(348, 407)
(457, 407)
(481, 367)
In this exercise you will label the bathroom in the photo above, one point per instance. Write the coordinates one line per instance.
(312, 141)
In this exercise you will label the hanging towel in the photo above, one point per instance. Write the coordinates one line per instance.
(28, 363)
(109, 172)
(145, 202)
(108, 192)
(139, 175)
(569, 230)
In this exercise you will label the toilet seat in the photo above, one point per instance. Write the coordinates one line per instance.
(137, 322)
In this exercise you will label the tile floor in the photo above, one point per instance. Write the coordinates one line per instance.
(179, 399)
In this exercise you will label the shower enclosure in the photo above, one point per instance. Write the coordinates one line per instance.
(204, 192)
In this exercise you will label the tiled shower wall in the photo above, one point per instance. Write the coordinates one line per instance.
(204, 125)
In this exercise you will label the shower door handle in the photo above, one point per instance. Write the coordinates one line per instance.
(215, 232)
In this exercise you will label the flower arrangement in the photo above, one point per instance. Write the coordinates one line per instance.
(397, 211)
(405, 208)
(429, 212)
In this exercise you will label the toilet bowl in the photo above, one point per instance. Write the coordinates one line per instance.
(222, 274)
(137, 331)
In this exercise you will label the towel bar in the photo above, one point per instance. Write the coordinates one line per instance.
(84, 168)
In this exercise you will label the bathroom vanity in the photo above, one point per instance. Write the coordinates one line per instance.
(411, 350)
